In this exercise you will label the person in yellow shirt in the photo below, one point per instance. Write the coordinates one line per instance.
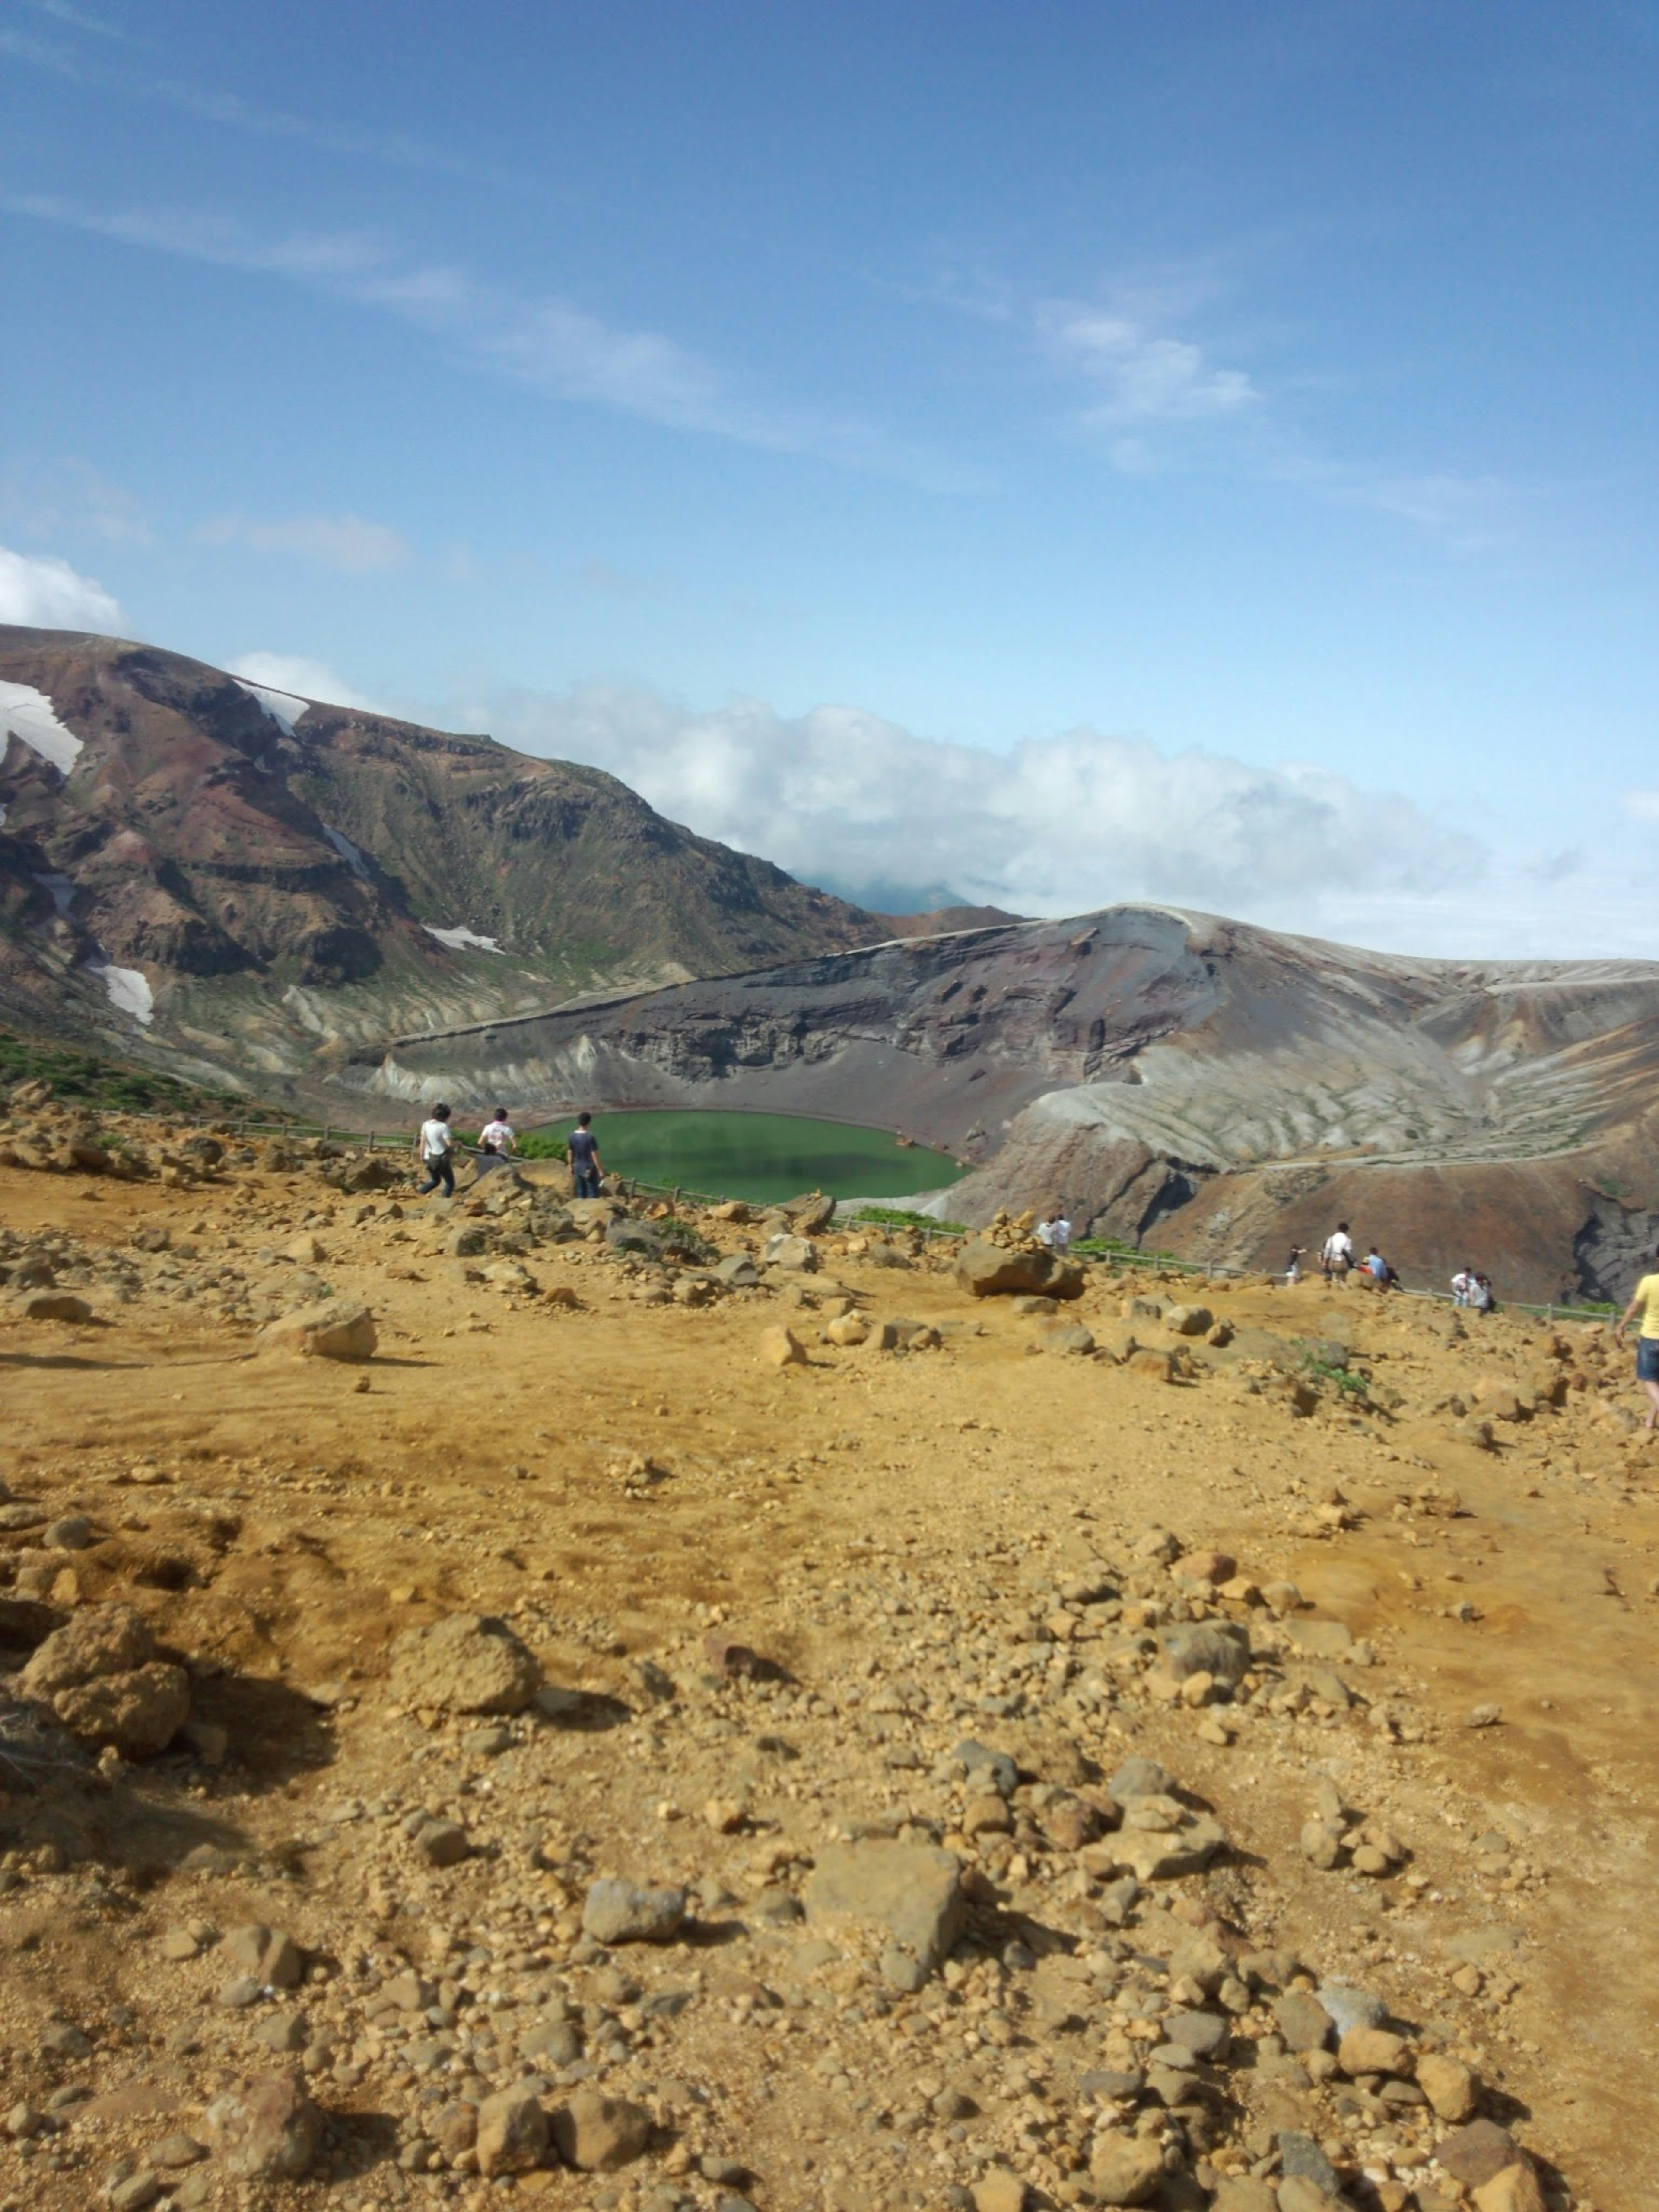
(1645, 1300)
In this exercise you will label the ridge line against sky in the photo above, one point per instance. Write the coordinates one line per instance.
(1265, 392)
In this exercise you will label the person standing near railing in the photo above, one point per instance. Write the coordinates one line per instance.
(582, 1150)
(435, 1147)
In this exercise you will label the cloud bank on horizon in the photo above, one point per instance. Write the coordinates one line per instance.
(43, 593)
(843, 797)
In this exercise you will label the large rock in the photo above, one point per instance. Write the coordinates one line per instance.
(265, 2128)
(785, 1249)
(56, 1305)
(1125, 2170)
(468, 1662)
(137, 1714)
(512, 2132)
(101, 1639)
(1478, 2153)
(912, 1890)
(597, 2134)
(332, 1330)
(985, 1270)
(622, 1912)
(1516, 2188)
(1220, 1648)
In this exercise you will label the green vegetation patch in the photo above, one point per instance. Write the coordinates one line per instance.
(82, 1077)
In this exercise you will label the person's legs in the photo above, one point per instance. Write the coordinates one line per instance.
(1647, 1374)
(445, 1170)
(431, 1182)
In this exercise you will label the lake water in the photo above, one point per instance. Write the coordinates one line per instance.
(764, 1157)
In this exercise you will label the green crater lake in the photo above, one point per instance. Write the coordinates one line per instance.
(762, 1157)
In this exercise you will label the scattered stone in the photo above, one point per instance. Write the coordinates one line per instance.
(621, 1913)
(781, 1347)
(1125, 2170)
(511, 2133)
(912, 1890)
(597, 2134)
(468, 1662)
(269, 1956)
(334, 1329)
(1450, 2086)
(265, 2128)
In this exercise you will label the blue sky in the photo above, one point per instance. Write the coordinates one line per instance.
(1047, 453)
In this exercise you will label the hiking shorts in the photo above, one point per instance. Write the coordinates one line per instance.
(1647, 1358)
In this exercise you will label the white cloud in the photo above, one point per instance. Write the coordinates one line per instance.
(42, 593)
(343, 541)
(290, 675)
(1143, 375)
(1642, 806)
(70, 498)
(1058, 825)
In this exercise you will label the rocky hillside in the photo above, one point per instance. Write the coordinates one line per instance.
(1216, 1089)
(781, 1732)
(255, 877)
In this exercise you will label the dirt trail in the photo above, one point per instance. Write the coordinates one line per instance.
(894, 1530)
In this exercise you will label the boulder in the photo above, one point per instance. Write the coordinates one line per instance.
(1125, 2170)
(1189, 1321)
(787, 1250)
(597, 2134)
(847, 1328)
(334, 1329)
(1515, 2189)
(1217, 1648)
(468, 1662)
(264, 2129)
(101, 1639)
(137, 1713)
(622, 1912)
(56, 1305)
(1478, 2153)
(911, 1891)
(985, 1270)
(1449, 2086)
(511, 2133)
(737, 1271)
(1064, 1336)
(781, 1347)
(810, 1214)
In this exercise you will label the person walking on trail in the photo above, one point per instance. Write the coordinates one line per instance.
(1645, 1300)
(1293, 1264)
(1463, 1284)
(1480, 1297)
(436, 1146)
(1337, 1257)
(496, 1142)
(1055, 1232)
(582, 1150)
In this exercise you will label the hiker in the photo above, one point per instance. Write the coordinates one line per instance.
(496, 1141)
(1463, 1284)
(582, 1150)
(1293, 1264)
(1337, 1257)
(1480, 1297)
(435, 1145)
(1377, 1267)
(1645, 1299)
(1055, 1232)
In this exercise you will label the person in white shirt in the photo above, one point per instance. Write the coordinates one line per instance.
(1337, 1257)
(435, 1147)
(1055, 1232)
(497, 1141)
(1462, 1284)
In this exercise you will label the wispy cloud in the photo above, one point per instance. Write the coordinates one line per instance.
(78, 19)
(397, 149)
(546, 343)
(71, 498)
(343, 541)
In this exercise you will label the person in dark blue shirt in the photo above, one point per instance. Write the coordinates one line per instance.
(582, 1150)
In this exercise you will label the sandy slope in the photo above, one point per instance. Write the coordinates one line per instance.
(899, 1532)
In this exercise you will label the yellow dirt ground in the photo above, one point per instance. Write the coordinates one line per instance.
(300, 1521)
